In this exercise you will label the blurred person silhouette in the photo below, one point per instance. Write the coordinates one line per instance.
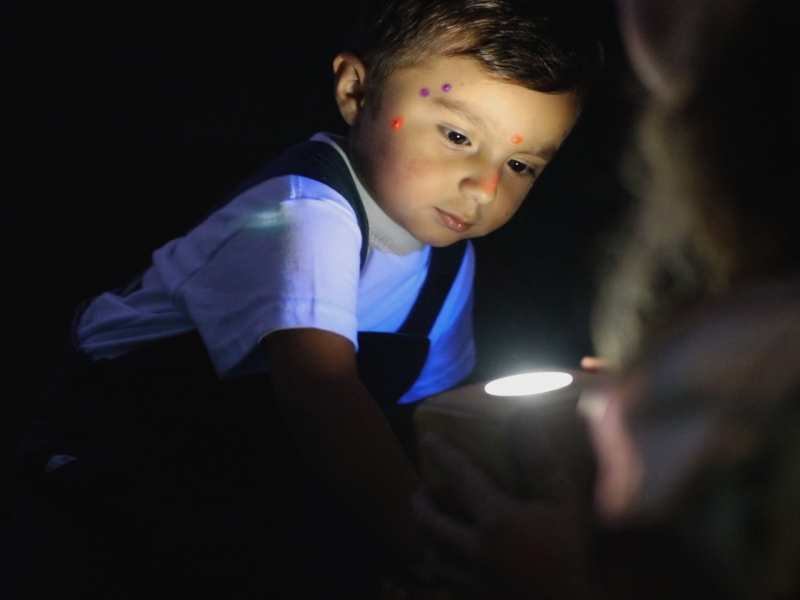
(696, 424)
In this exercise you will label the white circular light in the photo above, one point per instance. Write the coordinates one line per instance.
(527, 384)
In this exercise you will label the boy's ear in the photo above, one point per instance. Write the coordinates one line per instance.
(349, 73)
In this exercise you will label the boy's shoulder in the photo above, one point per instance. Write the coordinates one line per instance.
(321, 160)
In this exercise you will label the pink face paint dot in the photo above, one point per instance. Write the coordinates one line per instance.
(516, 139)
(447, 87)
(424, 92)
(397, 123)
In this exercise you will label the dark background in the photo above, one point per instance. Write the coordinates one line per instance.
(129, 119)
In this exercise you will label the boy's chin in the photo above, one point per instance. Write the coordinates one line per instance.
(444, 244)
(439, 241)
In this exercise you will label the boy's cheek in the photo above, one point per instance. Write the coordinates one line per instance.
(416, 169)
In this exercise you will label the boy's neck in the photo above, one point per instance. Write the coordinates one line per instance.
(384, 234)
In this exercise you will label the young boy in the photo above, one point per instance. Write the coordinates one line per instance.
(231, 410)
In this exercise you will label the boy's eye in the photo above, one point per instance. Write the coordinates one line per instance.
(519, 167)
(454, 137)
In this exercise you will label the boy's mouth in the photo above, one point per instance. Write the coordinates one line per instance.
(453, 222)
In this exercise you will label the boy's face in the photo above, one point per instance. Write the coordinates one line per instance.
(452, 150)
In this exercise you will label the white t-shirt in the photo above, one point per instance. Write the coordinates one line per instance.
(285, 254)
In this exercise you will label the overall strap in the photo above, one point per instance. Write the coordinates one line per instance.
(444, 266)
(319, 161)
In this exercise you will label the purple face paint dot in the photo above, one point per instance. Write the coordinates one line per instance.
(424, 92)
(447, 87)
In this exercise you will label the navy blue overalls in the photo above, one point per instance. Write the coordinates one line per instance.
(187, 485)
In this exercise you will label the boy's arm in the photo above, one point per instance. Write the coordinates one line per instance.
(343, 434)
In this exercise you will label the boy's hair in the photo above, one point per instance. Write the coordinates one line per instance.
(537, 44)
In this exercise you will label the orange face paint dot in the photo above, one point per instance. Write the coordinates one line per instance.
(397, 123)
(516, 139)
(489, 184)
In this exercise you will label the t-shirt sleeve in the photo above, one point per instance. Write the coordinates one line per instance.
(284, 254)
(452, 351)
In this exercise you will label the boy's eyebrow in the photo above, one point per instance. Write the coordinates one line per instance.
(547, 153)
(461, 108)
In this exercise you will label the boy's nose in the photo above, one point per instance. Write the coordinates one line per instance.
(482, 186)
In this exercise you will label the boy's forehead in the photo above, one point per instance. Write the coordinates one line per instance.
(459, 84)
(440, 79)
(454, 71)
